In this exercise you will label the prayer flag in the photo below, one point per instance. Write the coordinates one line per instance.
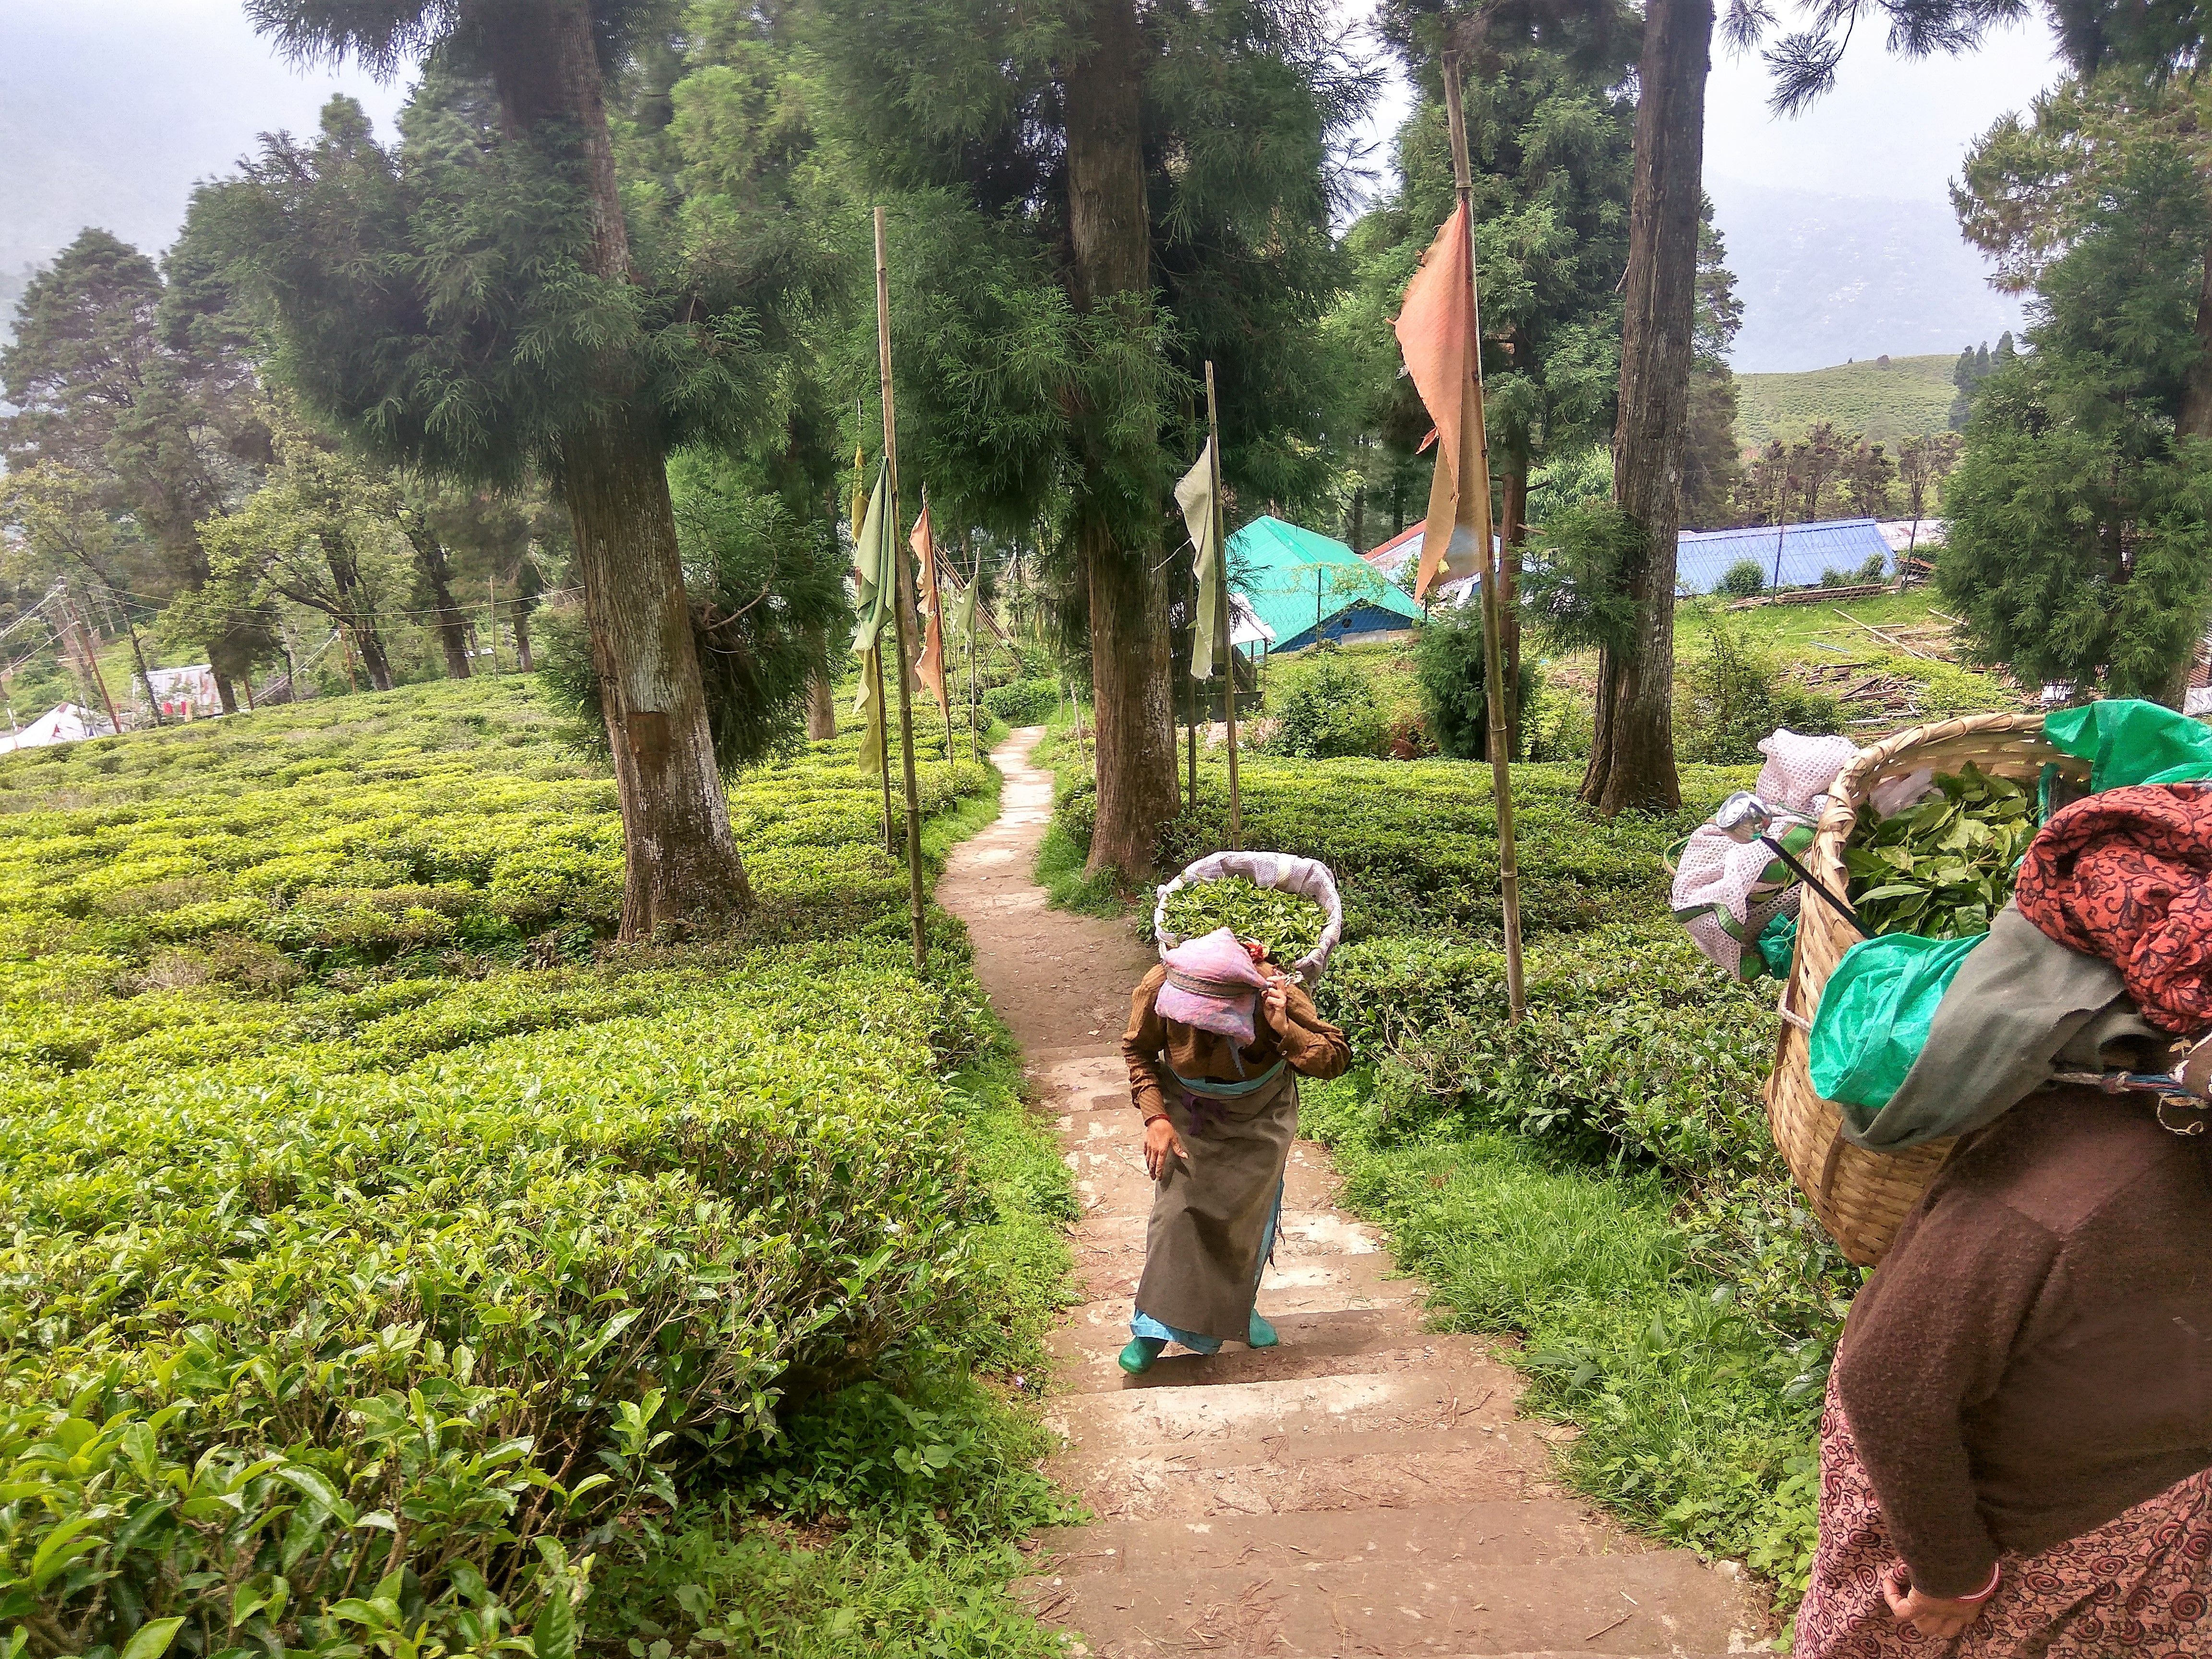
(963, 612)
(931, 667)
(1194, 495)
(1437, 333)
(874, 579)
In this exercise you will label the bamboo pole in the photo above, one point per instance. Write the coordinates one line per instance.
(903, 605)
(1190, 693)
(937, 611)
(1477, 444)
(1228, 616)
(975, 604)
(87, 644)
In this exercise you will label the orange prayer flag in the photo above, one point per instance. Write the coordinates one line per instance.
(931, 667)
(1437, 334)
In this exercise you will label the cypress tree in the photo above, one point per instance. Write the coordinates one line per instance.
(472, 302)
(1089, 202)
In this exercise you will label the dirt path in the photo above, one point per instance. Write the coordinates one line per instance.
(1366, 1488)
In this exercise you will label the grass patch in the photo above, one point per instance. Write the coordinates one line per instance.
(1882, 399)
(1696, 1422)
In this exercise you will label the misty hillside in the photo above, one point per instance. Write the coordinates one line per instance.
(1883, 398)
(1825, 279)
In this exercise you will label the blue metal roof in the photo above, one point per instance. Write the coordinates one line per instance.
(1703, 557)
(1287, 574)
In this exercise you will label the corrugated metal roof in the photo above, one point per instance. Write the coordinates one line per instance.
(1285, 572)
(1403, 549)
(1703, 557)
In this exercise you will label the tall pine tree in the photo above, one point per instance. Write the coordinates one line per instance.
(472, 302)
(1090, 201)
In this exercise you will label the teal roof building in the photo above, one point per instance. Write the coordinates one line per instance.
(1306, 586)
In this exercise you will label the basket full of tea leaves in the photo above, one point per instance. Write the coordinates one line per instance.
(1288, 903)
(1943, 867)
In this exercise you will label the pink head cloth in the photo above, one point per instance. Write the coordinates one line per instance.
(1212, 984)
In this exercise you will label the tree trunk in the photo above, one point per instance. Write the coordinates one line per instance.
(524, 660)
(437, 569)
(821, 696)
(681, 862)
(2194, 418)
(1129, 649)
(372, 652)
(1632, 763)
(1513, 530)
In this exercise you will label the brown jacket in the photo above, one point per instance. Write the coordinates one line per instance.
(1313, 1047)
(2033, 1357)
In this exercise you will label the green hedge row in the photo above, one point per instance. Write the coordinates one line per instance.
(379, 1245)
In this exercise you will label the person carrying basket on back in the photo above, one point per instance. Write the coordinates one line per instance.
(1218, 1036)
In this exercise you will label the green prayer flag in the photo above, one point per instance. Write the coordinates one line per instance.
(1194, 496)
(874, 573)
(963, 613)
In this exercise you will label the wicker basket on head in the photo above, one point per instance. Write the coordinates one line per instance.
(1861, 1197)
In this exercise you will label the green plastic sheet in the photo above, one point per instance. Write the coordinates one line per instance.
(1875, 1011)
(2128, 741)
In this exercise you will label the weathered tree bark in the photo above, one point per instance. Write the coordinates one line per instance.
(1111, 241)
(682, 865)
(520, 619)
(821, 697)
(1632, 762)
(1512, 532)
(437, 569)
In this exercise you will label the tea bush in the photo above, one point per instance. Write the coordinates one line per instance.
(1023, 702)
(386, 1245)
(1329, 714)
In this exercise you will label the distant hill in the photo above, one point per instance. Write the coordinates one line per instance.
(1824, 278)
(1883, 398)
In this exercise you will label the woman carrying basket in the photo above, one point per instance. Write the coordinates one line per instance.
(1218, 1036)
(2016, 1457)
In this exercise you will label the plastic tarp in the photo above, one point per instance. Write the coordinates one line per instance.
(2128, 741)
(1874, 1014)
(1310, 878)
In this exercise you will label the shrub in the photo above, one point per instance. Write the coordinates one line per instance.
(371, 1246)
(1023, 702)
(1447, 656)
(1330, 714)
(1870, 570)
(1733, 694)
(1744, 579)
(1576, 585)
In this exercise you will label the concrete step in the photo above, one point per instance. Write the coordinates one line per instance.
(1110, 1178)
(1384, 1469)
(1659, 1602)
(1093, 1371)
(1464, 1389)
(1416, 1539)
(1348, 1285)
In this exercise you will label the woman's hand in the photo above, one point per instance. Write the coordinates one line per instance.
(1275, 1003)
(1933, 1616)
(1161, 1143)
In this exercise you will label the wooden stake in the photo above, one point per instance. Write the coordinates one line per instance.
(1228, 616)
(975, 607)
(904, 604)
(1493, 620)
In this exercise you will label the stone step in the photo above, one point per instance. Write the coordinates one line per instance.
(1465, 1390)
(1659, 1602)
(1093, 1371)
(1426, 1536)
(1110, 1178)
(1356, 1283)
(1325, 1231)
(1381, 1469)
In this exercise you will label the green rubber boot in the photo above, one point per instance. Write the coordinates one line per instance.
(1137, 1358)
(1259, 1334)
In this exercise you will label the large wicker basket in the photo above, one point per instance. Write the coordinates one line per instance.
(1861, 1197)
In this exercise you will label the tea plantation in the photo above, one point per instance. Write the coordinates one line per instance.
(393, 1265)
(1598, 1180)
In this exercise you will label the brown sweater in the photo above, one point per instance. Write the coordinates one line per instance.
(2033, 1357)
(1313, 1047)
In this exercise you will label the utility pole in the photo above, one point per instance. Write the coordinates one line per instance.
(902, 605)
(86, 646)
(491, 625)
(1476, 445)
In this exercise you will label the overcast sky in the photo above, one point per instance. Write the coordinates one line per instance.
(111, 109)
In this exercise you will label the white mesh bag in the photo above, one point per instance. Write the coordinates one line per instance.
(1310, 878)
